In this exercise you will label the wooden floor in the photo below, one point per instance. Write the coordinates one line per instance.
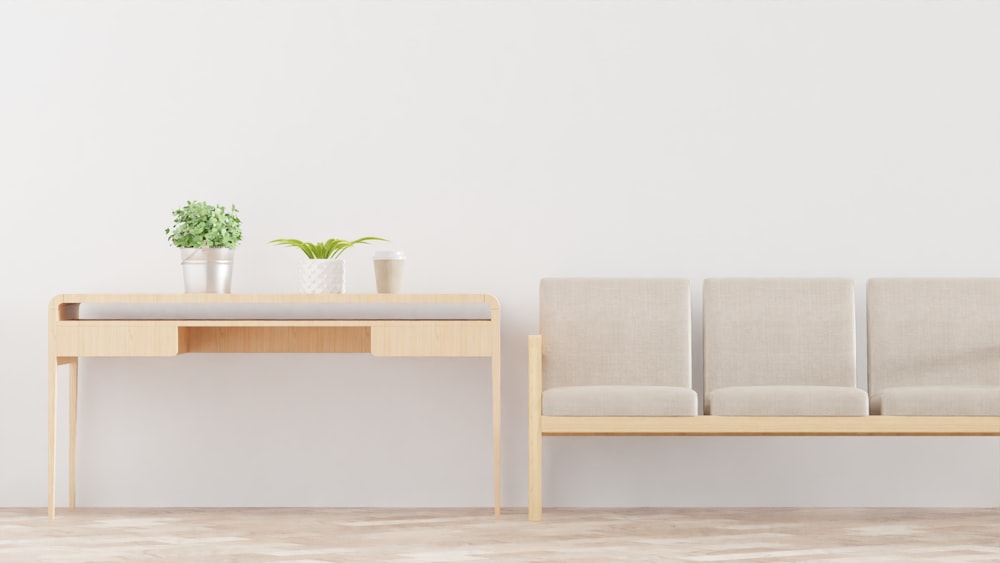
(453, 535)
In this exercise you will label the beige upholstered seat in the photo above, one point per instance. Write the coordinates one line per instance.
(616, 347)
(780, 347)
(934, 346)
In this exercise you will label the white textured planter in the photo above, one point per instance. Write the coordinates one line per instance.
(322, 276)
(207, 270)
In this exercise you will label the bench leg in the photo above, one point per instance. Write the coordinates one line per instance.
(534, 472)
(534, 428)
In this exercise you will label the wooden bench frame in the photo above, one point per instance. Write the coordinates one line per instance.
(708, 425)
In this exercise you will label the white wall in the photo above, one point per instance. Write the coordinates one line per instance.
(495, 143)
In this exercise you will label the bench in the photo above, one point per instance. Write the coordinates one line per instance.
(613, 359)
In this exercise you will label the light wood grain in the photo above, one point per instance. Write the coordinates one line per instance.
(496, 394)
(534, 427)
(54, 361)
(273, 298)
(53, 419)
(273, 339)
(772, 426)
(71, 336)
(438, 338)
(74, 374)
(116, 338)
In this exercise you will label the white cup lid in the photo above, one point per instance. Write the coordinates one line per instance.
(390, 255)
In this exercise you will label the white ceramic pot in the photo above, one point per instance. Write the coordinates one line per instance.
(207, 270)
(322, 276)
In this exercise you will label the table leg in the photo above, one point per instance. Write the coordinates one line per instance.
(496, 432)
(73, 380)
(53, 379)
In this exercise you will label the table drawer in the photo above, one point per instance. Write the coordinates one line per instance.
(433, 338)
(99, 338)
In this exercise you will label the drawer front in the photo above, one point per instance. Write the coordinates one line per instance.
(94, 338)
(433, 338)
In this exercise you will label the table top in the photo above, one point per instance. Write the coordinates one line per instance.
(275, 298)
(271, 306)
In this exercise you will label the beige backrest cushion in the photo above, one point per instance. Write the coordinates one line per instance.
(779, 331)
(601, 331)
(933, 331)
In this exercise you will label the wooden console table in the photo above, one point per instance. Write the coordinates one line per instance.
(171, 324)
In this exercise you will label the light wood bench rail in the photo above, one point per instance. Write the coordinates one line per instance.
(875, 425)
(149, 325)
(771, 426)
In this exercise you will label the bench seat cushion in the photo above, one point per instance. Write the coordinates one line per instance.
(788, 400)
(938, 400)
(619, 400)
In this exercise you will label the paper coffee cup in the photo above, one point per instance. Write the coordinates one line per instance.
(389, 271)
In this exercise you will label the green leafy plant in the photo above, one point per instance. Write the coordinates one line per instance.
(330, 249)
(200, 225)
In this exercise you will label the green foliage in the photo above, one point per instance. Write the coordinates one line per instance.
(328, 250)
(199, 225)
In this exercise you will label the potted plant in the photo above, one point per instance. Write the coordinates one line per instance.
(207, 236)
(322, 271)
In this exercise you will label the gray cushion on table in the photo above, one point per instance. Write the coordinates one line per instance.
(936, 332)
(788, 400)
(620, 400)
(779, 332)
(615, 331)
(938, 400)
